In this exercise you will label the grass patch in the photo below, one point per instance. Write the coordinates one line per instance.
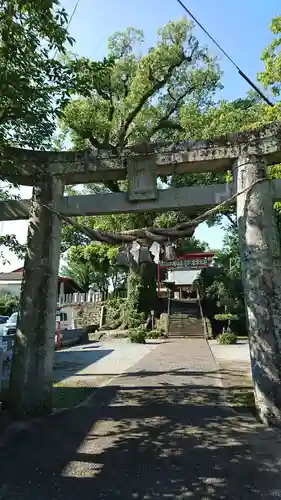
(67, 397)
(242, 397)
(63, 396)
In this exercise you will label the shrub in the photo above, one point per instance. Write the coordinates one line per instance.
(132, 318)
(114, 313)
(137, 335)
(8, 304)
(162, 322)
(226, 317)
(156, 334)
(227, 338)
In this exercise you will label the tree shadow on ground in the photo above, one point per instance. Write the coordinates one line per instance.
(143, 442)
(70, 362)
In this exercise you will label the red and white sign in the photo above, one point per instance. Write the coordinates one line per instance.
(186, 262)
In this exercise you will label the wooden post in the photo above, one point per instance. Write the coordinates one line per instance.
(261, 273)
(32, 366)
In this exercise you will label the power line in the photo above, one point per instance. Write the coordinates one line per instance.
(241, 73)
(73, 13)
(69, 21)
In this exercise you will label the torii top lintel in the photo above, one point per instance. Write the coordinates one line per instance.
(218, 154)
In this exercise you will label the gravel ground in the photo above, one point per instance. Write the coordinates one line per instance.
(160, 431)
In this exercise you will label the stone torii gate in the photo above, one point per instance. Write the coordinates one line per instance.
(246, 154)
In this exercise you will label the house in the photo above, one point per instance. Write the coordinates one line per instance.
(11, 282)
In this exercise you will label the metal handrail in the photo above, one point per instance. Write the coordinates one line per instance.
(202, 316)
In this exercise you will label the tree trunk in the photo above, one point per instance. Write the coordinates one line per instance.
(261, 273)
(148, 291)
(142, 290)
(32, 367)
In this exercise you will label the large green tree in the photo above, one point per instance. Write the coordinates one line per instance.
(139, 99)
(91, 266)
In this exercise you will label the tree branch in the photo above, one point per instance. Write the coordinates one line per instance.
(228, 216)
(102, 93)
(164, 122)
(110, 118)
(126, 86)
(113, 186)
(157, 85)
(95, 143)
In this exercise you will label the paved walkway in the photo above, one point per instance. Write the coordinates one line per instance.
(95, 363)
(160, 431)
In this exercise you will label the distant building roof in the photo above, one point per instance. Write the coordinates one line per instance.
(16, 275)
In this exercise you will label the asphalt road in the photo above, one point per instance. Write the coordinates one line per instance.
(160, 431)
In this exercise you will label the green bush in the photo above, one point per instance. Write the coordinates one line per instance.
(114, 313)
(162, 322)
(132, 318)
(227, 338)
(8, 304)
(156, 334)
(226, 317)
(137, 335)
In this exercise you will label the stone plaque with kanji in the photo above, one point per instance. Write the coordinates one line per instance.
(142, 178)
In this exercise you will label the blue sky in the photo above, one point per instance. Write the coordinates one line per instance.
(240, 26)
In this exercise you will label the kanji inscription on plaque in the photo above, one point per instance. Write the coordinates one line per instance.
(142, 178)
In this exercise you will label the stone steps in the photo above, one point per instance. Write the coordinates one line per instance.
(181, 325)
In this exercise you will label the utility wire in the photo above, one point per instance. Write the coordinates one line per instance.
(241, 73)
(69, 21)
(73, 13)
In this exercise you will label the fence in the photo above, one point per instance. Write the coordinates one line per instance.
(80, 298)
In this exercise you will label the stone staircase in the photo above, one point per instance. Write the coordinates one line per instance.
(181, 325)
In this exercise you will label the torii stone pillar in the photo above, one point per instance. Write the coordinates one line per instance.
(32, 371)
(261, 273)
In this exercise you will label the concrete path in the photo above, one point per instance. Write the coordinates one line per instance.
(160, 431)
(235, 352)
(96, 363)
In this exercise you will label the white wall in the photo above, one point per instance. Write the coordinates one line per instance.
(180, 277)
(12, 287)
